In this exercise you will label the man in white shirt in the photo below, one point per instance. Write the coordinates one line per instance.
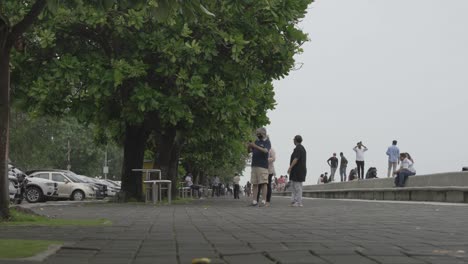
(189, 183)
(360, 149)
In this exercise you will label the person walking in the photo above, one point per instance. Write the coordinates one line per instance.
(248, 188)
(259, 176)
(297, 171)
(360, 149)
(215, 186)
(333, 163)
(343, 166)
(393, 153)
(236, 181)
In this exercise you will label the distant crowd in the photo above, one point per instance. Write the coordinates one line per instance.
(263, 178)
(395, 158)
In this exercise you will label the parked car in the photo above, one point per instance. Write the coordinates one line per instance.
(112, 187)
(36, 189)
(101, 189)
(69, 185)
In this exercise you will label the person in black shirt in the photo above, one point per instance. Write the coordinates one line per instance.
(333, 163)
(297, 171)
(259, 175)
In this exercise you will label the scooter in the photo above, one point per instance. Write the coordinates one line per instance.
(17, 188)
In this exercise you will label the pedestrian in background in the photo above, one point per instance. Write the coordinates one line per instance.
(248, 188)
(343, 166)
(236, 181)
(393, 153)
(333, 163)
(297, 171)
(215, 186)
(360, 149)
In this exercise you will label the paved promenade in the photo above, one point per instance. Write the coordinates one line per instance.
(229, 231)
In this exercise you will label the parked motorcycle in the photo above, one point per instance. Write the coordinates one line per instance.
(17, 188)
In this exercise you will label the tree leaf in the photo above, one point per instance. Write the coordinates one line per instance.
(206, 11)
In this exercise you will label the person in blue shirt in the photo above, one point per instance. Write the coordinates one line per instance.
(259, 175)
(393, 153)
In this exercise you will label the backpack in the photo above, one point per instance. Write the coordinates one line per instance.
(352, 175)
(371, 173)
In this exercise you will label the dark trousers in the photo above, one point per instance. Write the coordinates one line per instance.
(360, 169)
(268, 195)
(196, 188)
(215, 190)
(236, 191)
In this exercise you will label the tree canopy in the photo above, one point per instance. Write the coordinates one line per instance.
(200, 77)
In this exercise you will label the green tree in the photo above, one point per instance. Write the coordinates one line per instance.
(130, 73)
(12, 26)
(16, 17)
(43, 142)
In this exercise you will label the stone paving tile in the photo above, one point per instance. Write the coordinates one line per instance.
(110, 260)
(153, 260)
(397, 260)
(349, 259)
(441, 260)
(302, 256)
(248, 259)
(228, 231)
(61, 260)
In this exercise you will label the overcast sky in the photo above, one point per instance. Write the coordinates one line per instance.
(377, 70)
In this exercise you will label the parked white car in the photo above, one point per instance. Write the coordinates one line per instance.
(37, 190)
(69, 186)
(112, 187)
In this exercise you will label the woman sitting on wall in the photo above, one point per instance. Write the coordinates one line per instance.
(406, 170)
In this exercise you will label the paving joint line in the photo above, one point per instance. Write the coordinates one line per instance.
(318, 256)
(268, 256)
(175, 236)
(204, 237)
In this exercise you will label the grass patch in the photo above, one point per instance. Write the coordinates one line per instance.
(179, 201)
(25, 219)
(17, 248)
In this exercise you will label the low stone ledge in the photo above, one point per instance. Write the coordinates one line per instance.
(448, 179)
(452, 194)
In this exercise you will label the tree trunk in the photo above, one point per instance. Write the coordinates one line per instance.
(167, 157)
(134, 152)
(4, 129)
